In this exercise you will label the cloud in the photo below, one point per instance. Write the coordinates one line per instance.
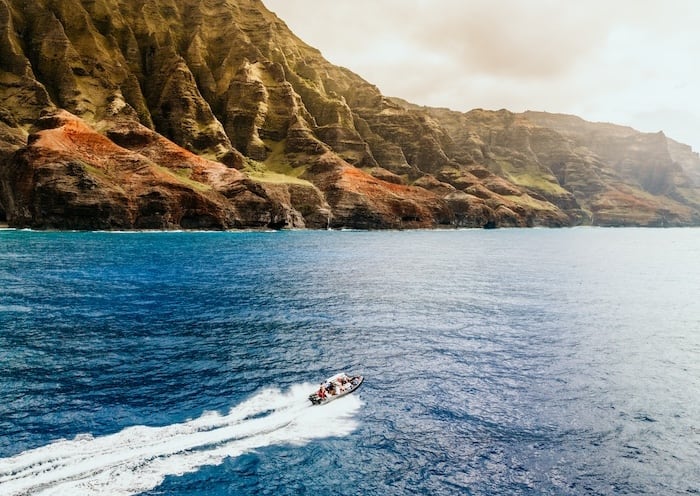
(617, 61)
(534, 39)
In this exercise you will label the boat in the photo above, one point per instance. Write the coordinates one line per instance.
(335, 387)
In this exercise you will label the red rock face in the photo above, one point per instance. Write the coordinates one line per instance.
(362, 201)
(70, 176)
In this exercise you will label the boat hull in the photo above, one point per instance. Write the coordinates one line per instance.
(355, 382)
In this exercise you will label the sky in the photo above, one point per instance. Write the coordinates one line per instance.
(629, 62)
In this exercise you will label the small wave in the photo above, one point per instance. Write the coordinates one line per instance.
(14, 309)
(138, 458)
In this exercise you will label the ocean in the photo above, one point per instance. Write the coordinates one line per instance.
(513, 361)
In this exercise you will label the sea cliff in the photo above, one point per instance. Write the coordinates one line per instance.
(212, 114)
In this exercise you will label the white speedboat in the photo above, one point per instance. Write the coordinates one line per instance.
(335, 387)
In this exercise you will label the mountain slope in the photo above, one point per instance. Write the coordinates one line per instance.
(212, 114)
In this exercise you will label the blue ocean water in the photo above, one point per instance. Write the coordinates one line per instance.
(520, 362)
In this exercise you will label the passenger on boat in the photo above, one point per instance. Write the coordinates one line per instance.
(322, 392)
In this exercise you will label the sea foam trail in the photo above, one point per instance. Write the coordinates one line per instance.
(138, 458)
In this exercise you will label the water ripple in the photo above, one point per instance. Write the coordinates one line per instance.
(513, 362)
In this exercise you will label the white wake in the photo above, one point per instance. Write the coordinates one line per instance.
(138, 458)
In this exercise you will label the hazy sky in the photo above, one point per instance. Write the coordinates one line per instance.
(632, 62)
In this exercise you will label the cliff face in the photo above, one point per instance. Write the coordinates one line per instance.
(211, 114)
(647, 178)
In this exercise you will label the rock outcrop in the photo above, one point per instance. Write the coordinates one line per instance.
(211, 114)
